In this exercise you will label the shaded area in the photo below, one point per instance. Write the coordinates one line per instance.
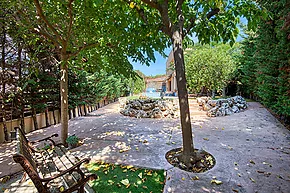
(251, 148)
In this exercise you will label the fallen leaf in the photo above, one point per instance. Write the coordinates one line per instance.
(223, 128)
(278, 176)
(195, 178)
(61, 189)
(234, 190)
(125, 182)
(149, 173)
(217, 182)
(145, 187)
(130, 166)
(252, 180)
(140, 175)
(110, 182)
(183, 178)
(205, 139)
(265, 163)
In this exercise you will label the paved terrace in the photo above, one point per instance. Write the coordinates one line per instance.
(251, 149)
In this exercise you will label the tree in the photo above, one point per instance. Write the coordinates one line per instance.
(71, 30)
(209, 66)
(264, 64)
(211, 20)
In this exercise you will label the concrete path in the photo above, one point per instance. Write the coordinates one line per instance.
(251, 149)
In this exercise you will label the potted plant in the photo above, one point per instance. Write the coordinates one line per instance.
(72, 141)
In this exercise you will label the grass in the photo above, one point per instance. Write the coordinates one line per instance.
(124, 179)
(132, 97)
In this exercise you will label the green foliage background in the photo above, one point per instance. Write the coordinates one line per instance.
(265, 60)
(209, 66)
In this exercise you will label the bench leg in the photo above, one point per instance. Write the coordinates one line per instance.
(23, 178)
(82, 189)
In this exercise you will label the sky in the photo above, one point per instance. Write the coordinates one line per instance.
(159, 66)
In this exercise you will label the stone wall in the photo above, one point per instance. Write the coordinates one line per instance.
(150, 108)
(222, 107)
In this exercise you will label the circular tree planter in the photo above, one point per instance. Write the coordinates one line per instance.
(205, 163)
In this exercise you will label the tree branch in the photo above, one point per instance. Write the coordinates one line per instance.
(81, 48)
(212, 13)
(190, 26)
(140, 11)
(51, 38)
(42, 16)
(153, 4)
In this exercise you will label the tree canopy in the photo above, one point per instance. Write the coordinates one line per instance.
(209, 66)
(264, 63)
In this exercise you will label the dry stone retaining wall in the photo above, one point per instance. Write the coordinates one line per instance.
(150, 108)
(222, 107)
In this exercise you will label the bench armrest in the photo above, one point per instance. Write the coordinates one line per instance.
(46, 139)
(71, 169)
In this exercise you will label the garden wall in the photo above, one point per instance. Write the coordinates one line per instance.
(29, 126)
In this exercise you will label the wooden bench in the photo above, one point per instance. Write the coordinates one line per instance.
(52, 169)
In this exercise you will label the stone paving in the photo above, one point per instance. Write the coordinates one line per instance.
(251, 149)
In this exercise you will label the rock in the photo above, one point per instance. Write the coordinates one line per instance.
(212, 103)
(223, 107)
(235, 109)
(228, 111)
(207, 107)
(147, 106)
(137, 105)
(222, 111)
(212, 112)
(202, 100)
(157, 113)
(221, 101)
(230, 102)
(240, 105)
(150, 108)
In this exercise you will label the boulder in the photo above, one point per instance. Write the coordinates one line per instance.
(150, 108)
(223, 107)
(235, 109)
(212, 103)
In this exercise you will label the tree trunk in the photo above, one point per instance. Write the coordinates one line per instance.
(2, 108)
(46, 117)
(224, 92)
(53, 115)
(6, 135)
(85, 110)
(74, 112)
(213, 93)
(64, 96)
(34, 118)
(188, 147)
(22, 101)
